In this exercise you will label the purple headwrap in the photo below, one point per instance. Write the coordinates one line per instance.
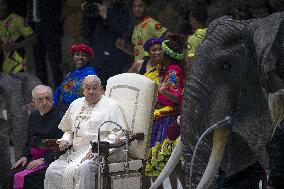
(152, 41)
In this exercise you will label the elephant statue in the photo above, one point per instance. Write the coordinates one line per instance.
(15, 93)
(235, 68)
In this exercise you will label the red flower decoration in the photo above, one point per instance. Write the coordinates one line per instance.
(82, 48)
(69, 85)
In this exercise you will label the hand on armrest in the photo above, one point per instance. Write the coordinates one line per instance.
(56, 144)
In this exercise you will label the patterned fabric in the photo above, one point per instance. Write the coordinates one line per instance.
(194, 41)
(165, 116)
(153, 74)
(161, 146)
(19, 178)
(152, 41)
(71, 88)
(12, 29)
(146, 29)
(175, 75)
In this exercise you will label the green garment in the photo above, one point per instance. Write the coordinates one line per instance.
(144, 30)
(13, 28)
(194, 41)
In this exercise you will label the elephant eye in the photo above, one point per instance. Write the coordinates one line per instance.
(226, 66)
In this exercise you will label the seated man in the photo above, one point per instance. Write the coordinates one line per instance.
(29, 170)
(77, 167)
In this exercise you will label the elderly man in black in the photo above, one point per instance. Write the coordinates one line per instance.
(29, 170)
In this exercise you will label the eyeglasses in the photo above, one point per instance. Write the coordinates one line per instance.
(41, 99)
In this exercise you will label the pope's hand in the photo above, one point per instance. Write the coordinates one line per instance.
(63, 144)
(90, 155)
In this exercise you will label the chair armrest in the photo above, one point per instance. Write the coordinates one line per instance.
(51, 143)
(106, 145)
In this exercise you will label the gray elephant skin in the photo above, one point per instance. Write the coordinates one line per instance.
(235, 67)
(15, 93)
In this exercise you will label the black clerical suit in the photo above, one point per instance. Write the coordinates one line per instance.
(39, 127)
(48, 30)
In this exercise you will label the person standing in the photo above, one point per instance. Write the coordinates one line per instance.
(168, 107)
(14, 36)
(103, 23)
(198, 17)
(71, 87)
(44, 16)
(148, 66)
(145, 28)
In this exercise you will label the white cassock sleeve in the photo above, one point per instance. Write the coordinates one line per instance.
(66, 126)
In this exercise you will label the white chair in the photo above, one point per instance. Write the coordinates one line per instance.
(136, 94)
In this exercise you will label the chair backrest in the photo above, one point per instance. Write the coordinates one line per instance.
(136, 94)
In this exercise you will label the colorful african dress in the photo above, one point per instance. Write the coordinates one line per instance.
(153, 74)
(13, 30)
(194, 41)
(165, 115)
(71, 87)
(144, 30)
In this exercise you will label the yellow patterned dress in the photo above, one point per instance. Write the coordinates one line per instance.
(153, 74)
(165, 115)
(144, 30)
(13, 29)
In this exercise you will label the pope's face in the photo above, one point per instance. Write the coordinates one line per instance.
(92, 90)
(81, 59)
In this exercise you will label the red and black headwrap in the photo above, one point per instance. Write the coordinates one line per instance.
(82, 48)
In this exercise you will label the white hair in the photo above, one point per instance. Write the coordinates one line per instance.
(39, 88)
(95, 77)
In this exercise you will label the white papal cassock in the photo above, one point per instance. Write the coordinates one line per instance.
(80, 124)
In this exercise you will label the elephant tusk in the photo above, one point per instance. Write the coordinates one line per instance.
(4, 115)
(219, 142)
(171, 164)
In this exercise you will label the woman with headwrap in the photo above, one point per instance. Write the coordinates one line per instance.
(71, 87)
(148, 66)
(170, 92)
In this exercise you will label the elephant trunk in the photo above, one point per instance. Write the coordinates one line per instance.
(174, 159)
(219, 142)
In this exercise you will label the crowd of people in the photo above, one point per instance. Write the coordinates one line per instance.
(77, 101)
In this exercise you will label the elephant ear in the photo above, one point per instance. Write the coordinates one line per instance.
(268, 39)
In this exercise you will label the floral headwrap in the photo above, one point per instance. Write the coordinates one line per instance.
(82, 48)
(152, 41)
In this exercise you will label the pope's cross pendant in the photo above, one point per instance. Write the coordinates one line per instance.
(77, 129)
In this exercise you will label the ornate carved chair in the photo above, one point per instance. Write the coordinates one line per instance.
(136, 95)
